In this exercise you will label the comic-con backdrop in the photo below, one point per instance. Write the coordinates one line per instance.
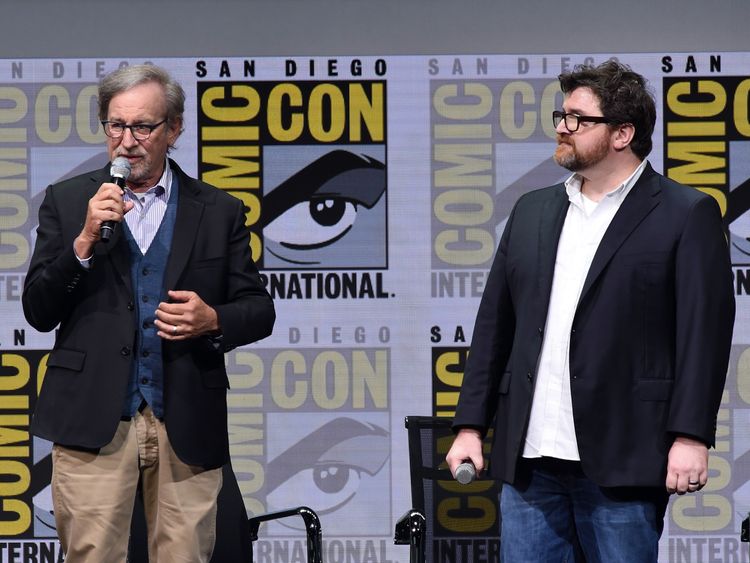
(376, 189)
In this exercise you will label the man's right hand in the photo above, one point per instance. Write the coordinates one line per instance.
(466, 445)
(106, 205)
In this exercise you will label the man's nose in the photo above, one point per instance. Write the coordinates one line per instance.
(128, 139)
(562, 128)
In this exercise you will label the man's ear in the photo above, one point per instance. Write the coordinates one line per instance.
(623, 136)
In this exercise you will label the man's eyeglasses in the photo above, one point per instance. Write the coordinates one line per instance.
(140, 131)
(573, 120)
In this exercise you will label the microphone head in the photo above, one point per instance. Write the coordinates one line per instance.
(120, 168)
(466, 473)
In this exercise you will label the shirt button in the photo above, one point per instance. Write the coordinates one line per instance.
(145, 353)
(529, 376)
(144, 298)
(125, 351)
(146, 324)
(144, 381)
(131, 306)
(145, 271)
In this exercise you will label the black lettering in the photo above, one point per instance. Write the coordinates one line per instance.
(435, 334)
(380, 67)
(715, 63)
(347, 285)
(742, 282)
(666, 64)
(482, 65)
(459, 335)
(690, 65)
(200, 69)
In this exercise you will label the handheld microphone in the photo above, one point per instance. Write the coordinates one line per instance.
(119, 172)
(466, 473)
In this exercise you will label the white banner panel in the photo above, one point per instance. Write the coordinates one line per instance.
(376, 190)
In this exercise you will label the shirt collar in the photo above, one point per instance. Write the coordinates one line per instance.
(574, 182)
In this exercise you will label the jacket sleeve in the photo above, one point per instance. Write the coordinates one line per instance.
(248, 314)
(705, 311)
(491, 344)
(54, 273)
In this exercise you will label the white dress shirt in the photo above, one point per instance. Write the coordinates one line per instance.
(148, 210)
(551, 430)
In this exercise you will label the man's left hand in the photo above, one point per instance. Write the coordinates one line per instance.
(687, 466)
(185, 316)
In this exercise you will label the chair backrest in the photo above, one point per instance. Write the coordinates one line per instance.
(462, 521)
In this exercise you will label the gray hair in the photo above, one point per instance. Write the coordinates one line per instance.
(128, 77)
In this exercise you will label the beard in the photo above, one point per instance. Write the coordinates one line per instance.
(568, 156)
(144, 171)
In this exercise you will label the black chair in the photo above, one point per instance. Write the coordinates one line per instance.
(312, 528)
(447, 521)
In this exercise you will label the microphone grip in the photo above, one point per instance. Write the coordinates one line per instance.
(466, 473)
(108, 227)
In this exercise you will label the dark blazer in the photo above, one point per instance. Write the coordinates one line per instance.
(87, 371)
(650, 341)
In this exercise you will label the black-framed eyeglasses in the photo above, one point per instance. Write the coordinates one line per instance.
(573, 120)
(140, 131)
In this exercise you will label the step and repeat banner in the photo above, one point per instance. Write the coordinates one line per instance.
(376, 190)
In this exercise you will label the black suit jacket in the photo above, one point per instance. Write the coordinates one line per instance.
(650, 340)
(87, 371)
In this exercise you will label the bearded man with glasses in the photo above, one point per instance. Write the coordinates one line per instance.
(602, 340)
(135, 388)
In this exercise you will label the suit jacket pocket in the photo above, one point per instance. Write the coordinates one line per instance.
(207, 263)
(215, 379)
(68, 359)
(655, 389)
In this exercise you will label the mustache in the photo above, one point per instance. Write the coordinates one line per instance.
(129, 153)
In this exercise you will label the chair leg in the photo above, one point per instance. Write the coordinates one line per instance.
(411, 529)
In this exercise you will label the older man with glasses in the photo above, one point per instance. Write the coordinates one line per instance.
(135, 389)
(602, 340)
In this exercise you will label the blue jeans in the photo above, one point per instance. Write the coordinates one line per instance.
(557, 515)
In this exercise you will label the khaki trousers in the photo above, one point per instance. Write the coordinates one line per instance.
(93, 495)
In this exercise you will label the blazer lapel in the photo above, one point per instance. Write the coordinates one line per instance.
(189, 213)
(637, 205)
(551, 223)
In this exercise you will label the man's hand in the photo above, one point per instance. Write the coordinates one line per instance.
(187, 316)
(106, 205)
(687, 466)
(467, 445)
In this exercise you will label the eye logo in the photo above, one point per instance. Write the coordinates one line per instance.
(738, 218)
(329, 214)
(334, 469)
